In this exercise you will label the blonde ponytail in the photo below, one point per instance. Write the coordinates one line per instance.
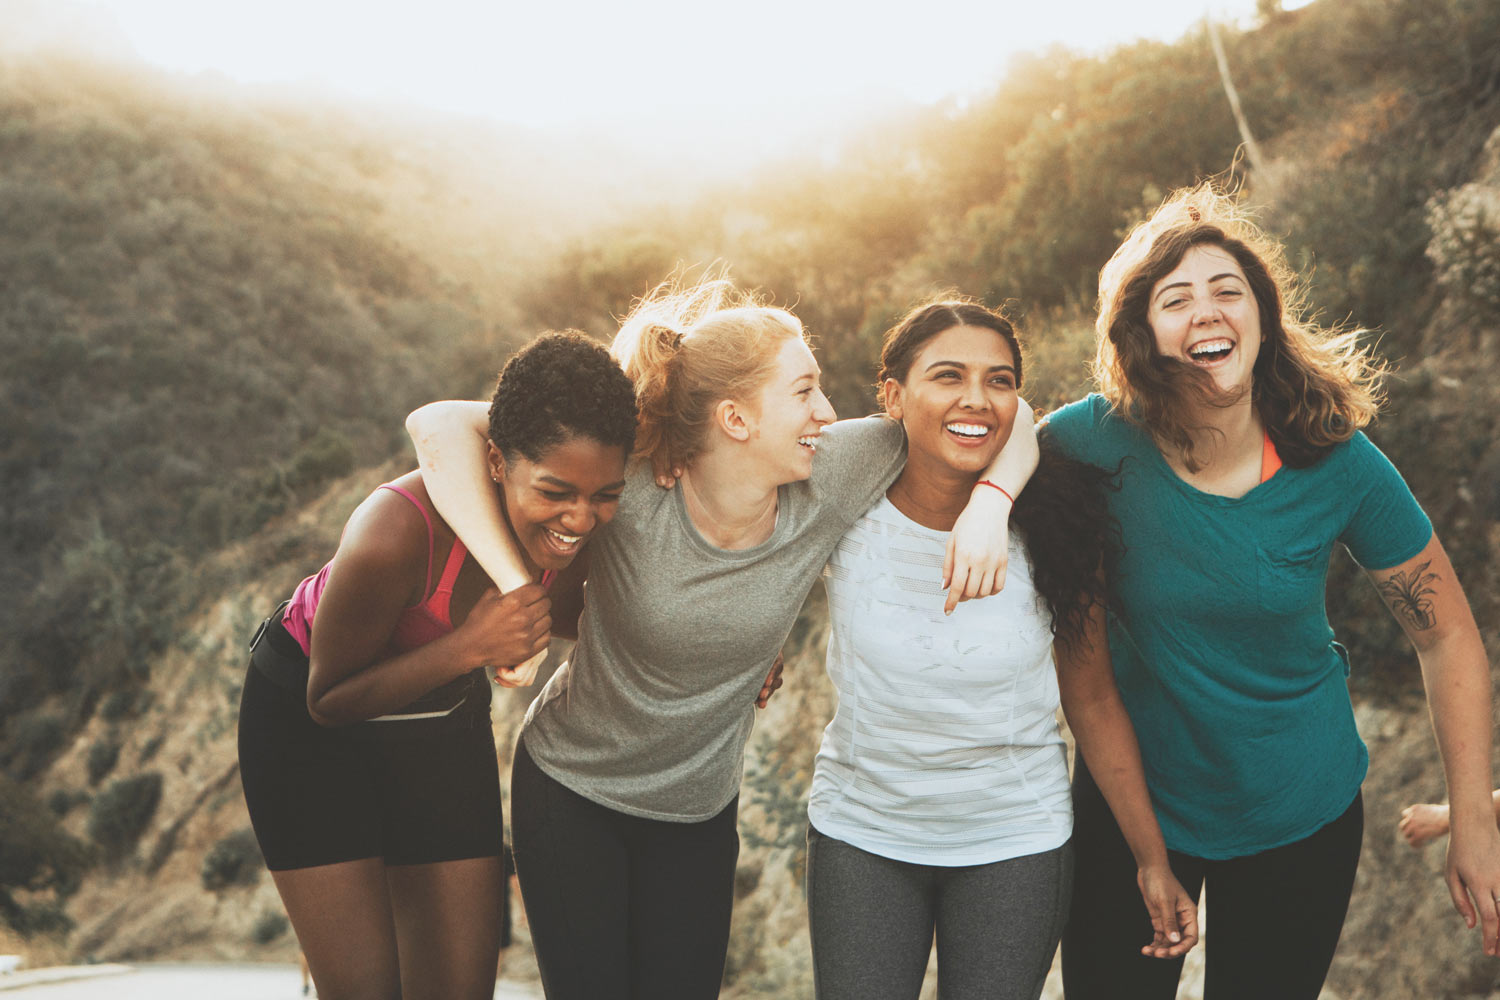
(687, 348)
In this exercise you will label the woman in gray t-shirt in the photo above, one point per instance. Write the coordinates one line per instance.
(627, 774)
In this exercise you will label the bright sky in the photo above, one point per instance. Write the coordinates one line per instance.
(546, 62)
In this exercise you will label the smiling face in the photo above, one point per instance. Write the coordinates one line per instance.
(556, 502)
(957, 401)
(787, 414)
(1203, 313)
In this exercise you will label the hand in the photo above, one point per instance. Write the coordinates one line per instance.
(978, 548)
(522, 674)
(1422, 823)
(1174, 914)
(772, 684)
(510, 628)
(1473, 870)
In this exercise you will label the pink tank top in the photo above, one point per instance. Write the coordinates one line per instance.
(418, 625)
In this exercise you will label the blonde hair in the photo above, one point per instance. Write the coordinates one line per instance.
(687, 347)
(1313, 387)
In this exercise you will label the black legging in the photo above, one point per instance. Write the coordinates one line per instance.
(620, 906)
(1275, 923)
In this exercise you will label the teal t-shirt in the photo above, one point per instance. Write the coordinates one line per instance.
(1220, 635)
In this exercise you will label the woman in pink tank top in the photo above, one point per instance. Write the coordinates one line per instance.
(366, 753)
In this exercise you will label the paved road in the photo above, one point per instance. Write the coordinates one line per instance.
(194, 982)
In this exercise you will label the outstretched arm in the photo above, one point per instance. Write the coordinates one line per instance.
(1424, 595)
(1106, 739)
(451, 440)
(978, 546)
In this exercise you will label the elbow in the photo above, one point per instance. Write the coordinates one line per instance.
(324, 710)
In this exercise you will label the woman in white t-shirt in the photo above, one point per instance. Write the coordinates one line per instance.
(940, 802)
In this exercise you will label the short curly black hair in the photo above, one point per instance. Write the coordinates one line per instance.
(561, 385)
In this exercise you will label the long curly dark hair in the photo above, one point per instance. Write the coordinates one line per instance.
(1062, 515)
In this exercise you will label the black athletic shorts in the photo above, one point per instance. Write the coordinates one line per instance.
(413, 791)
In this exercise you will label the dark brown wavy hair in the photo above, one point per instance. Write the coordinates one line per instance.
(1062, 513)
(1313, 387)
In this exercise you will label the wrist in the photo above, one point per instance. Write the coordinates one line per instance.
(986, 486)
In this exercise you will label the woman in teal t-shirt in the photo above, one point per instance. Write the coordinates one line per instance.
(1235, 430)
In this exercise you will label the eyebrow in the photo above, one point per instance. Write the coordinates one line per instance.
(960, 364)
(1187, 284)
(573, 486)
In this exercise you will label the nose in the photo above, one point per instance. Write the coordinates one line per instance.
(1205, 312)
(580, 518)
(973, 397)
(823, 409)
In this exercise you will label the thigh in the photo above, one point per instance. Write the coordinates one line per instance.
(312, 792)
(998, 925)
(1107, 921)
(1288, 902)
(571, 862)
(447, 918)
(440, 787)
(681, 894)
(871, 921)
(342, 916)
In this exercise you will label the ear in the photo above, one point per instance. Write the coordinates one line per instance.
(496, 462)
(732, 418)
(891, 392)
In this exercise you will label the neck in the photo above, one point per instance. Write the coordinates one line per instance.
(729, 511)
(1227, 434)
(933, 497)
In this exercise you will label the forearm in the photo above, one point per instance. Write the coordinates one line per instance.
(1456, 673)
(389, 684)
(1013, 466)
(450, 447)
(1106, 741)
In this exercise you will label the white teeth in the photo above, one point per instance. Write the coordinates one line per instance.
(1210, 346)
(565, 539)
(809, 441)
(968, 430)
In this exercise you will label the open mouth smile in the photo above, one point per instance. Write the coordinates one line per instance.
(809, 441)
(1209, 352)
(969, 433)
(562, 544)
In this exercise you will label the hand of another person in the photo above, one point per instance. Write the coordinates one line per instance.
(510, 628)
(522, 674)
(1473, 870)
(1423, 823)
(978, 549)
(772, 684)
(1174, 914)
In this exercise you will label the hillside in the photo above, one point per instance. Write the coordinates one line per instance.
(282, 283)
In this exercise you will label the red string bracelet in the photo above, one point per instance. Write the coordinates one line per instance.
(1003, 491)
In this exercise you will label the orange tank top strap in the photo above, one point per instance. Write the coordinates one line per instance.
(1270, 461)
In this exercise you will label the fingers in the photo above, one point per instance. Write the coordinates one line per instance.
(772, 683)
(955, 593)
(1460, 897)
(948, 572)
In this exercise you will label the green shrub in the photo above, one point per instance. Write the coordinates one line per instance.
(234, 860)
(63, 801)
(268, 927)
(1465, 248)
(103, 756)
(122, 811)
(34, 741)
(38, 854)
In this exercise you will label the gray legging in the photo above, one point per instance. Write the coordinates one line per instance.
(872, 921)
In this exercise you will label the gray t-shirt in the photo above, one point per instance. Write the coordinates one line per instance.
(652, 714)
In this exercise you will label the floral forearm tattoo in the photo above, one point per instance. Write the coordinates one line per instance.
(1409, 596)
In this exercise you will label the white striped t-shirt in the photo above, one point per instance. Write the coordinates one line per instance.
(945, 749)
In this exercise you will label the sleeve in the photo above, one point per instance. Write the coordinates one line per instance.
(857, 461)
(1387, 526)
(1075, 430)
